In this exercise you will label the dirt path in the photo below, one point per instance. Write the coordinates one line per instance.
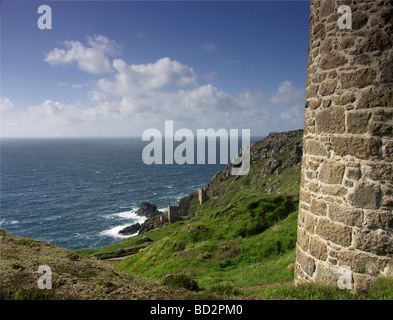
(115, 260)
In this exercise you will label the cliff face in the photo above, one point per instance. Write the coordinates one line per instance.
(274, 168)
(278, 151)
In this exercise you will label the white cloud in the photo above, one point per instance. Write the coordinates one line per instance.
(294, 114)
(92, 59)
(212, 75)
(5, 104)
(54, 113)
(288, 94)
(291, 102)
(142, 95)
(209, 47)
(146, 77)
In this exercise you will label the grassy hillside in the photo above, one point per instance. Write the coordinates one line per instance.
(240, 244)
(244, 235)
(73, 276)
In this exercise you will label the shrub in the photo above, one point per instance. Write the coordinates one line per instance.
(181, 281)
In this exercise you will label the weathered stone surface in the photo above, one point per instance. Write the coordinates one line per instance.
(357, 122)
(359, 20)
(318, 248)
(334, 190)
(386, 14)
(388, 150)
(345, 215)
(331, 231)
(332, 61)
(330, 120)
(318, 207)
(376, 97)
(310, 223)
(381, 129)
(363, 282)
(331, 172)
(387, 70)
(359, 147)
(319, 31)
(344, 99)
(311, 91)
(326, 46)
(361, 262)
(358, 79)
(366, 195)
(314, 147)
(327, 274)
(303, 239)
(379, 241)
(347, 42)
(306, 262)
(380, 171)
(376, 40)
(327, 87)
(314, 104)
(327, 8)
(362, 59)
(379, 220)
(354, 173)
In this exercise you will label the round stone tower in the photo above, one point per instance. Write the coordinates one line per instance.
(345, 226)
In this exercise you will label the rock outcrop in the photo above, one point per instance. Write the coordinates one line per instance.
(155, 219)
(270, 149)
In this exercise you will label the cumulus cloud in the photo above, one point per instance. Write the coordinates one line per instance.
(206, 105)
(5, 104)
(92, 58)
(291, 102)
(146, 77)
(137, 94)
(288, 94)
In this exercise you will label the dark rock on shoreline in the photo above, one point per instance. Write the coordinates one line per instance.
(132, 229)
(153, 220)
(147, 210)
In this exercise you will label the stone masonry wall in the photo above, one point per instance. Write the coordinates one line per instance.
(346, 195)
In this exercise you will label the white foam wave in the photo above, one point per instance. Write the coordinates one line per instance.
(114, 232)
(124, 215)
(130, 215)
(7, 223)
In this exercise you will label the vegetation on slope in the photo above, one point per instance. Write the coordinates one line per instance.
(238, 244)
(244, 235)
(73, 276)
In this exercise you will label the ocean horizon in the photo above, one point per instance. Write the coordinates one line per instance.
(79, 192)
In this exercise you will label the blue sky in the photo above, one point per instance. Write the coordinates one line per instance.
(117, 68)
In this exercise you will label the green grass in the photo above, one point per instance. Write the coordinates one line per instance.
(250, 242)
(383, 290)
(242, 237)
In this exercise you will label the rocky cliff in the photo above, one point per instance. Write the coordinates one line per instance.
(270, 157)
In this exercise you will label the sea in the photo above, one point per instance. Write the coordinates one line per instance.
(80, 192)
